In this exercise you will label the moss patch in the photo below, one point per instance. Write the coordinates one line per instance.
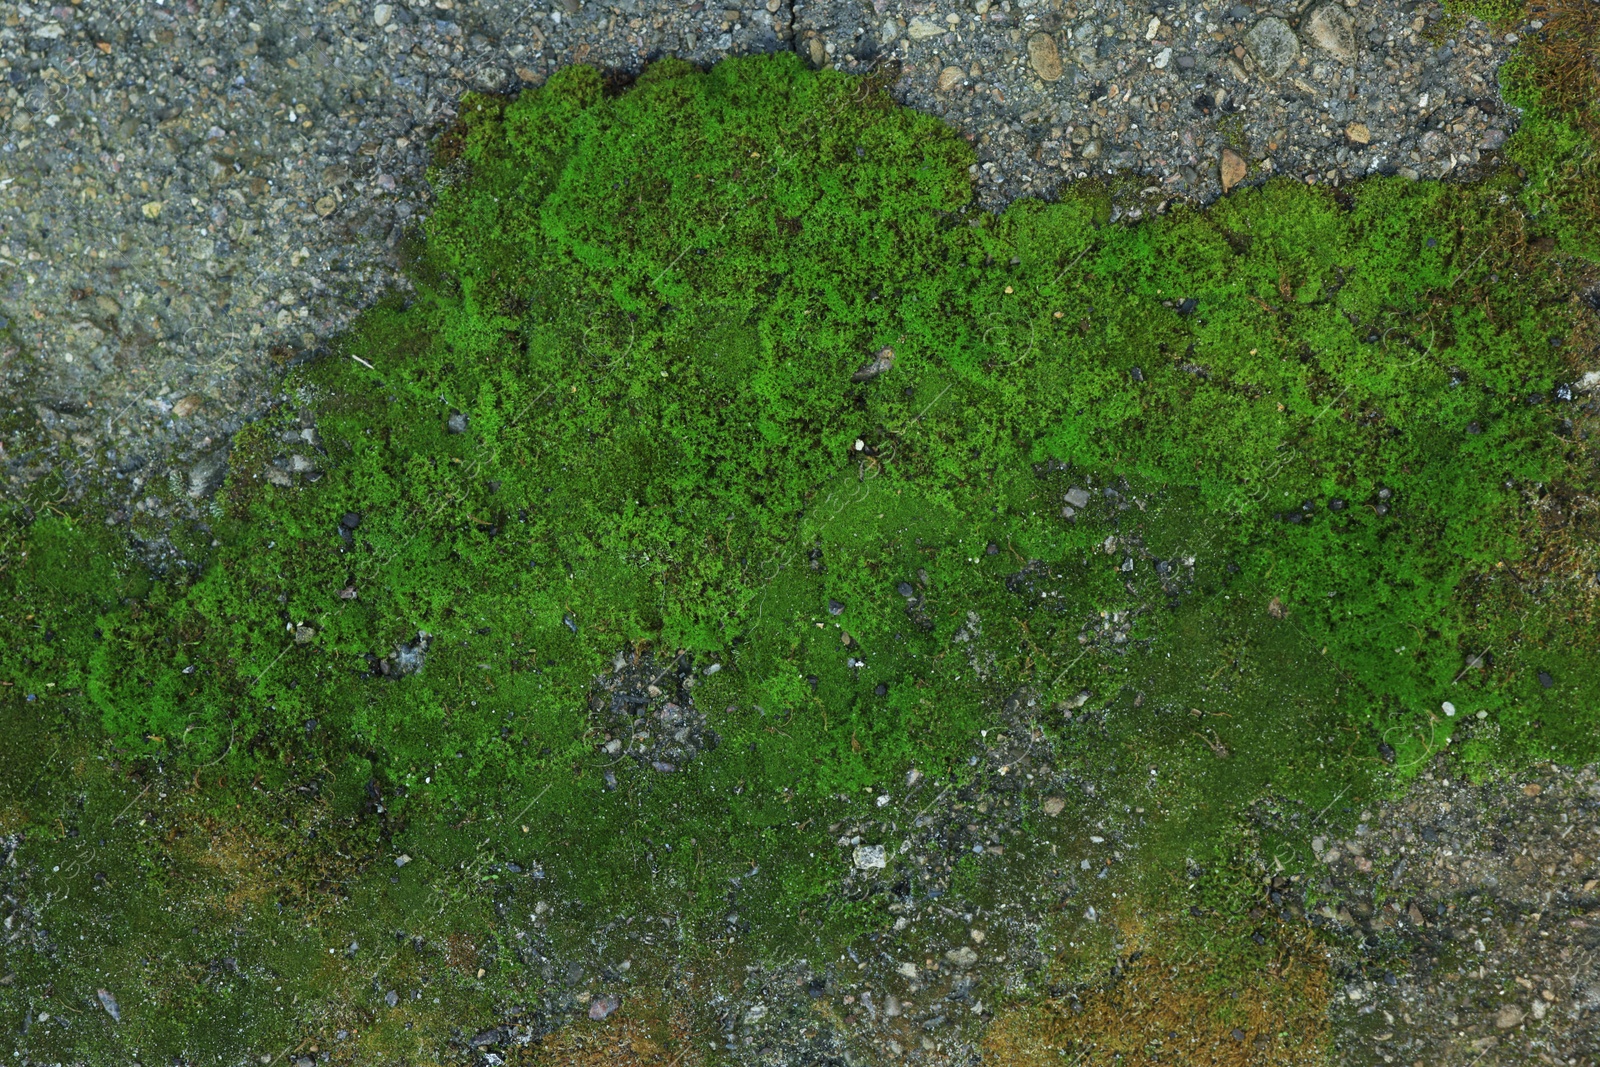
(722, 378)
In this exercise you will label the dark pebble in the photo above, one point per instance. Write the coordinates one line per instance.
(991, 549)
(905, 589)
(1546, 680)
(1385, 751)
(350, 520)
(835, 607)
(880, 690)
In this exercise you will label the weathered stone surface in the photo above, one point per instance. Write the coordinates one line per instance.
(1273, 46)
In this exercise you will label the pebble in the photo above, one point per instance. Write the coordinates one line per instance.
(602, 1006)
(1233, 169)
(870, 857)
(1330, 28)
(1045, 57)
(1273, 45)
(963, 956)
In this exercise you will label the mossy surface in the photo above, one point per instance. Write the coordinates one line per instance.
(723, 373)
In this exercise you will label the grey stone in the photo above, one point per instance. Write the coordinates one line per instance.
(1077, 497)
(207, 475)
(1272, 45)
(457, 423)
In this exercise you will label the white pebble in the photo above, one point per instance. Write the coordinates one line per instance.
(1449, 708)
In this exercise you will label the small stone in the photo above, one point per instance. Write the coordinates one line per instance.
(1163, 58)
(1053, 806)
(350, 520)
(391, 998)
(921, 29)
(152, 210)
(1358, 132)
(819, 52)
(602, 1006)
(950, 78)
(1546, 679)
(1233, 169)
(1045, 57)
(907, 970)
(906, 590)
(401, 860)
(1331, 29)
(870, 857)
(835, 607)
(456, 423)
(325, 206)
(382, 14)
(962, 957)
(1077, 497)
(882, 361)
(1272, 45)
(187, 406)
(1508, 1016)
(109, 1003)
(207, 475)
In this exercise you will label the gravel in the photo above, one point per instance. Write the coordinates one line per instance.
(1050, 90)
(1485, 899)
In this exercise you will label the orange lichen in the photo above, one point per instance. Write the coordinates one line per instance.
(1165, 1008)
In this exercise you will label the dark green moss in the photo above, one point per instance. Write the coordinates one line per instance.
(629, 409)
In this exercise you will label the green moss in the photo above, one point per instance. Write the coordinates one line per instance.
(650, 309)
